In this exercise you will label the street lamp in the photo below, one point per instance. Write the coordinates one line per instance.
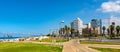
(62, 22)
(60, 34)
(50, 31)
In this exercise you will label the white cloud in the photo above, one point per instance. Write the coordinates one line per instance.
(108, 21)
(110, 6)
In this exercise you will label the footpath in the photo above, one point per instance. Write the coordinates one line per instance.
(74, 46)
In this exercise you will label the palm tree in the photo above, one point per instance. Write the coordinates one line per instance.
(94, 30)
(117, 29)
(66, 31)
(104, 28)
(108, 31)
(111, 30)
(60, 31)
(63, 31)
(72, 32)
(69, 29)
(77, 33)
(113, 23)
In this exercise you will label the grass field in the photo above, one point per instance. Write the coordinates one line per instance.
(106, 49)
(93, 42)
(28, 47)
(51, 39)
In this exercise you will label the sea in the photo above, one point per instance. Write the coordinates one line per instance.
(7, 38)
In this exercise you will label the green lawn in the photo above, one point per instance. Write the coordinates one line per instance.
(106, 49)
(93, 42)
(28, 47)
(51, 39)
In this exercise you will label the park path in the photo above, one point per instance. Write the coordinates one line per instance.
(104, 46)
(74, 46)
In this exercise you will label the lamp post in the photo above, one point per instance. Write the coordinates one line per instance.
(50, 31)
(62, 22)
(60, 34)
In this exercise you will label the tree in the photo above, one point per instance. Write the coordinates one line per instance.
(66, 31)
(93, 30)
(60, 31)
(117, 29)
(48, 34)
(113, 23)
(108, 31)
(63, 31)
(104, 28)
(72, 32)
(111, 30)
(77, 33)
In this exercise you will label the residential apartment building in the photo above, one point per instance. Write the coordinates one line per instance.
(77, 24)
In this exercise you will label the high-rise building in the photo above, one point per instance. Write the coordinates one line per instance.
(86, 28)
(89, 25)
(95, 26)
(77, 24)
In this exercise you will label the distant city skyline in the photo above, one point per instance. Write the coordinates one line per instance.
(38, 16)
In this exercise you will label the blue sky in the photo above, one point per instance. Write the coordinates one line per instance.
(38, 16)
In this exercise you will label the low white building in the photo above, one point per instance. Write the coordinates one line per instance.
(37, 38)
(43, 37)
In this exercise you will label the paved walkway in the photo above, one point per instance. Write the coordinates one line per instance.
(104, 46)
(74, 46)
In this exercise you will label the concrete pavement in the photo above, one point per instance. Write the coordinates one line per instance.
(104, 46)
(74, 46)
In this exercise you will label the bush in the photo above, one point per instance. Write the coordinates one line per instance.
(94, 35)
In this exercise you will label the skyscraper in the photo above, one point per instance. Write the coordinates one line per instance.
(77, 24)
(95, 26)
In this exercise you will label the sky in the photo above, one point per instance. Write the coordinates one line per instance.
(39, 16)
